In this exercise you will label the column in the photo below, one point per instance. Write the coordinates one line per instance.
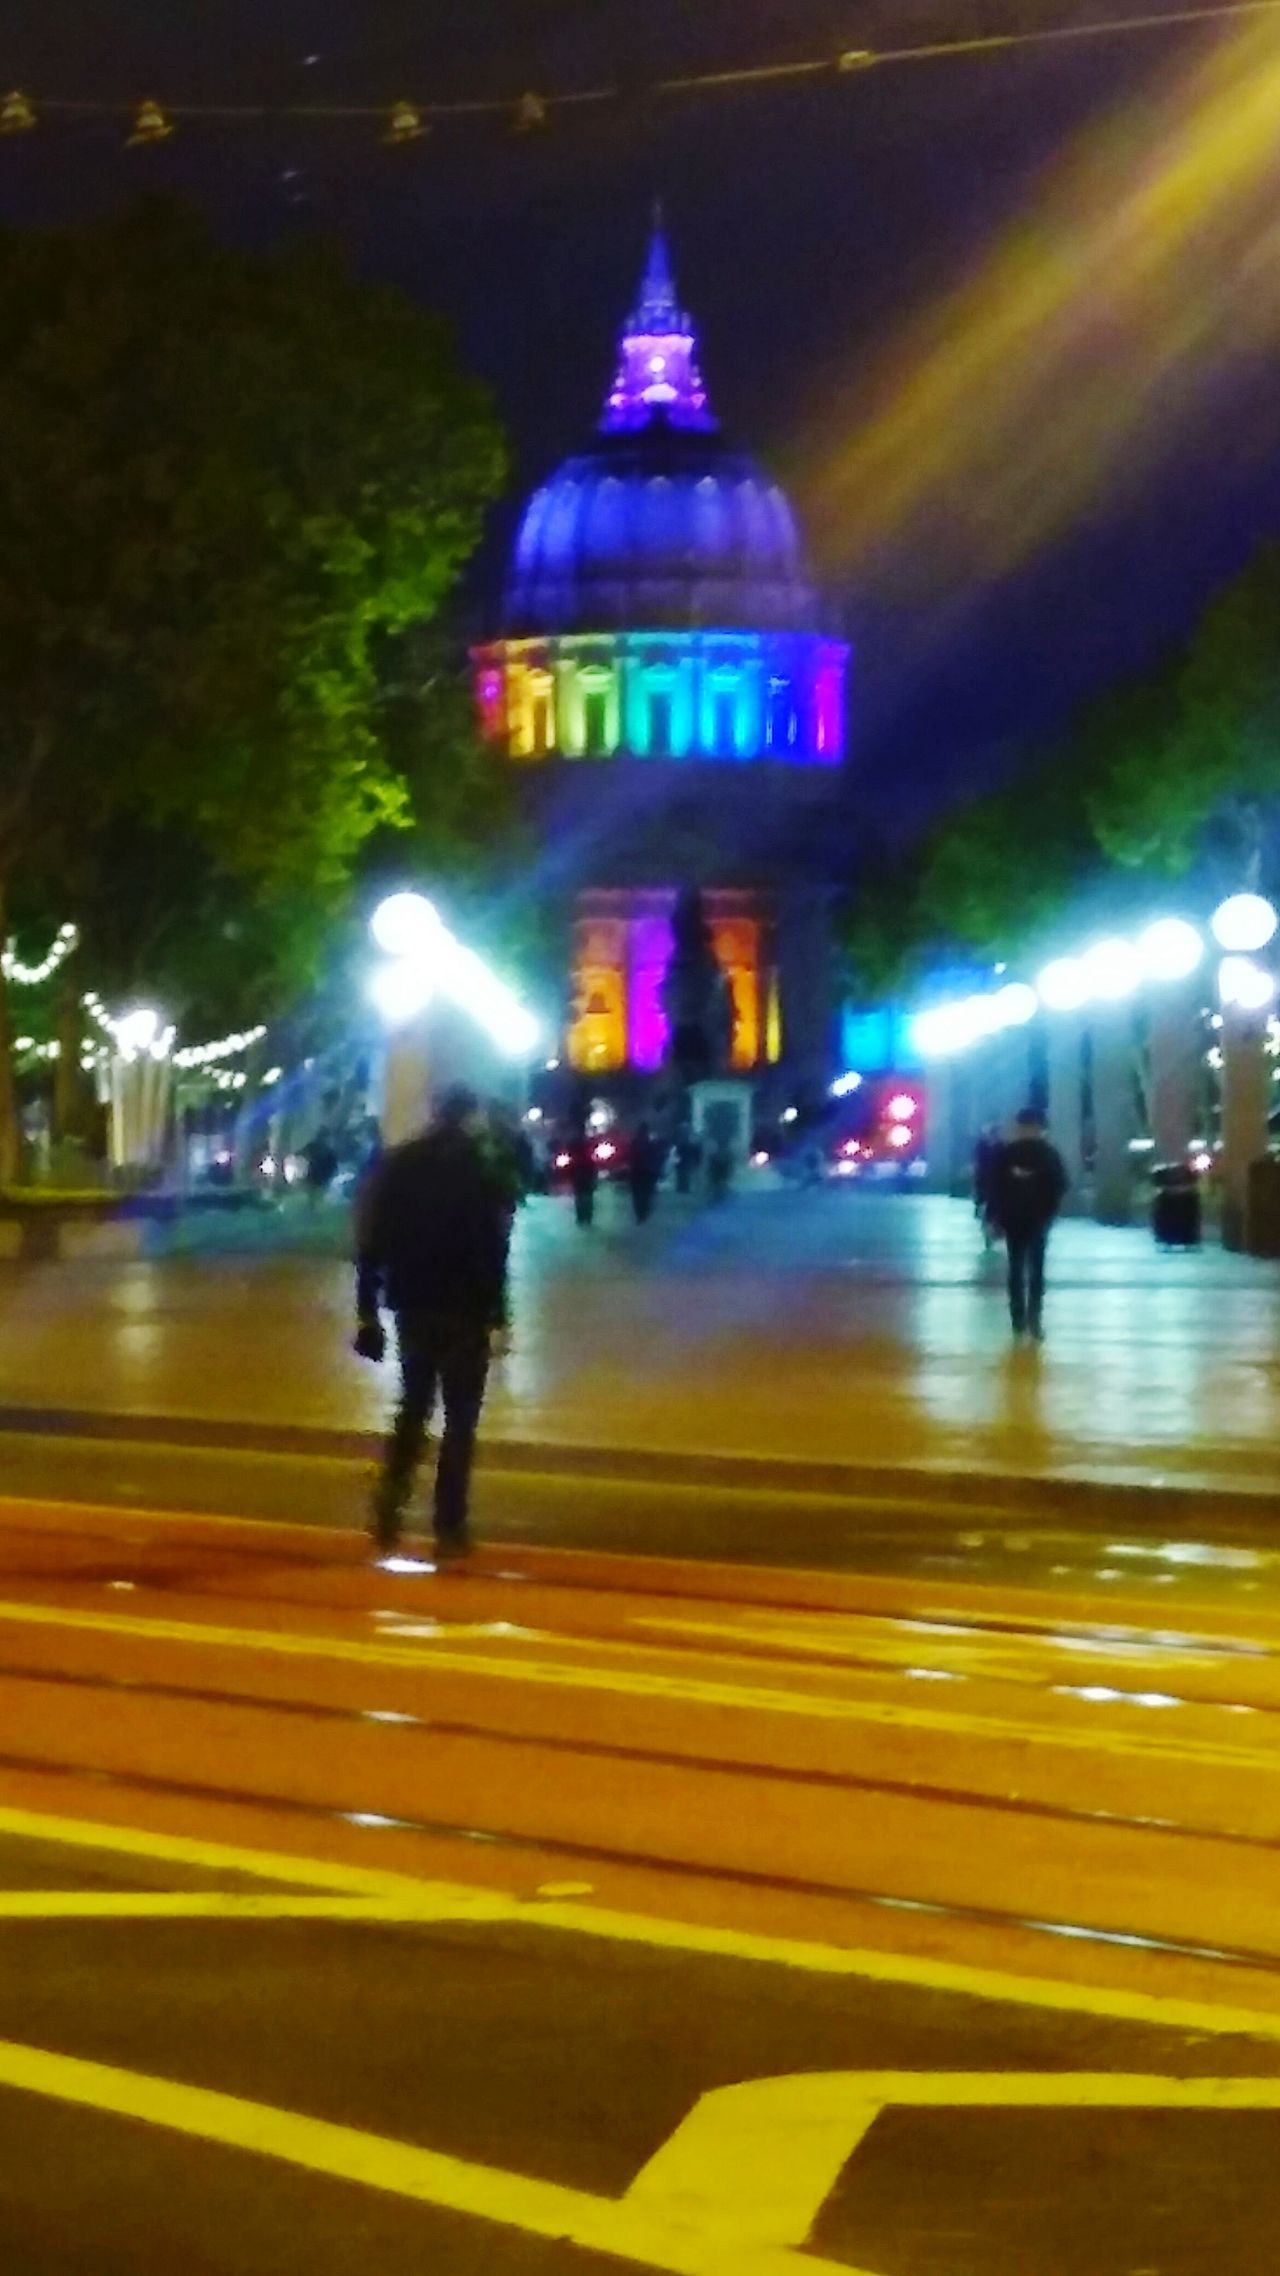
(1246, 1097)
(1176, 1109)
(1001, 1076)
(405, 1079)
(953, 1127)
(1115, 1115)
(805, 984)
(1066, 1098)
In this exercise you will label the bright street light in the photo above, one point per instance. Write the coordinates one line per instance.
(1112, 969)
(1244, 984)
(1062, 986)
(1244, 923)
(1170, 949)
(406, 924)
(1014, 1005)
(425, 960)
(401, 990)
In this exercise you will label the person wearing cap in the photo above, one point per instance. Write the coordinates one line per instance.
(1028, 1183)
(433, 1230)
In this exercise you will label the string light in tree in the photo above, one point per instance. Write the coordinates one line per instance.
(65, 941)
(195, 1055)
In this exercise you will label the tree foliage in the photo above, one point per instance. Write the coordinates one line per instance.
(229, 481)
(1174, 772)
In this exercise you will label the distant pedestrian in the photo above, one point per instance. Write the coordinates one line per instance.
(1028, 1185)
(321, 1159)
(434, 1226)
(584, 1177)
(644, 1171)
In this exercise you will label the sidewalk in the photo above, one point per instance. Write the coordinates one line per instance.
(834, 1328)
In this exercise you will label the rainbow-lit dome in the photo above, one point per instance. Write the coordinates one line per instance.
(658, 605)
(660, 526)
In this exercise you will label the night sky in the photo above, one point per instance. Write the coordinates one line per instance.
(814, 228)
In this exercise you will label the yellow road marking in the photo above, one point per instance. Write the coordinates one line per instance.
(398, 2169)
(216, 1904)
(758, 2161)
(449, 1901)
(695, 1690)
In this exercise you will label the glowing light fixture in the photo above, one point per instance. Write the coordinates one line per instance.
(1170, 949)
(425, 960)
(844, 1086)
(142, 1033)
(1014, 1005)
(1245, 985)
(902, 1108)
(1062, 986)
(402, 990)
(899, 1136)
(1244, 923)
(1112, 970)
(406, 924)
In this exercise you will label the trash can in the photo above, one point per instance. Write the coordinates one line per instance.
(1175, 1210)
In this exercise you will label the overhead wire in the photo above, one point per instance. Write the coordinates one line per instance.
(533, 107)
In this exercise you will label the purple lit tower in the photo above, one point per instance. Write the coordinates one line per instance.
(664, 681)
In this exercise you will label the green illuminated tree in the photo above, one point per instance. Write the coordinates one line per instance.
(230, 481)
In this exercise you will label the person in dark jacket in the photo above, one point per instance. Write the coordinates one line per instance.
(1028, 1183)
(584, 1177)
(432, 1238)
(644, 1170)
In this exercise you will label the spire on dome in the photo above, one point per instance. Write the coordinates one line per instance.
(658, 376)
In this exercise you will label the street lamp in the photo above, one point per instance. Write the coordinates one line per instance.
(142, 1033)
(406, 925)
(402, 990)
(1170, 949)
(1111, 970)
(1063, 986)
(426, 960)
(1244, 985)
(1244, 923)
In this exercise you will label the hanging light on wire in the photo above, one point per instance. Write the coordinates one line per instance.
(152, 123)
(531, 114)
(17, 114)
(405, 124)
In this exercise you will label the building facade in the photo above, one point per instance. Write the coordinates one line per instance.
(666, 685)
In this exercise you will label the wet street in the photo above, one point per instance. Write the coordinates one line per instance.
(832, 1328)
(847, 1839)
(585, 1906)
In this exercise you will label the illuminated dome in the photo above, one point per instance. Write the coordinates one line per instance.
(658, 606)
(660, 526)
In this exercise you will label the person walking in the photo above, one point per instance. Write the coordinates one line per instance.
(432, 1239)
(584, 1177)
(321, 1159)
(644, 1171)
(1028, 1183)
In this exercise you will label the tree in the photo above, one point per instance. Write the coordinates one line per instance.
(229, 479)
(1173, 772)
(1194, 760)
